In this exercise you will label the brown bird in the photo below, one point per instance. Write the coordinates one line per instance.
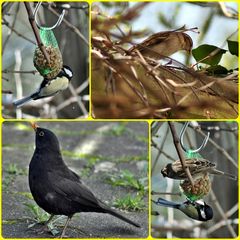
(197, 167)
(164, 44)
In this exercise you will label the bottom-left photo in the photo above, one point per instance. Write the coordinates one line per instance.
(75, 179)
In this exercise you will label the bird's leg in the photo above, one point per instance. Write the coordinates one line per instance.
(65, 226)
(44, 227)
(49, 220)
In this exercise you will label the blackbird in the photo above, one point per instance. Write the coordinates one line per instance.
(57, 189)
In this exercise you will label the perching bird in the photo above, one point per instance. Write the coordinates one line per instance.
(197, 210)
(57, 189)
(164, 44)
(197, 167)
(50, 87)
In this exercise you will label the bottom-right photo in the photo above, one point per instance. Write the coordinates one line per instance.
(194, 179)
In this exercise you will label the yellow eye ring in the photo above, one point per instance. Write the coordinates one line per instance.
(41, 134)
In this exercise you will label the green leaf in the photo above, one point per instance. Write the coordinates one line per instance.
(217, 70)
(213, 54)
(233, 47)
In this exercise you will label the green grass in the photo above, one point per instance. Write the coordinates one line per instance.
(14, 146)
(118, 129)
(93, 158)
(9, 222)
(130, 203)
(13, 169)
(126, 179)
(7, 181)
(38, 214)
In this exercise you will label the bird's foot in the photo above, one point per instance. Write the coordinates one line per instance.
(79, 231)
(41, 228)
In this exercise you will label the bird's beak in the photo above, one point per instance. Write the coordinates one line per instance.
(34, 125)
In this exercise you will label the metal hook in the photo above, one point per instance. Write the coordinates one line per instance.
(204, 143)
(59, 21)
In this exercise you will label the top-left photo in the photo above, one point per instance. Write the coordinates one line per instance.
(45, 60)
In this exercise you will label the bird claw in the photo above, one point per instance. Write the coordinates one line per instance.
(41, 228)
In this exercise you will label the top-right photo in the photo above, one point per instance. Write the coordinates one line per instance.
(164, 60)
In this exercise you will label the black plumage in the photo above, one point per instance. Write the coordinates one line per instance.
(57, 189)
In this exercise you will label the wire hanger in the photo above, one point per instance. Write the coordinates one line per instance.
(59, 21)
(204, 143)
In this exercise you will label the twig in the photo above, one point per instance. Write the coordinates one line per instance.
(180, 153)
(7, 92)
(78, 100)
(220, 149)
(226, 12)
(12, 27)
(16, 32)
(222, 223)
(217, 128)
(4, 78)
(159, 151)
(35, 31)
(25, 72)
(166, 193)
(154, 144)
(175, 228)
(223, 215)
(18, 80)
(75, 29)
(155, 126)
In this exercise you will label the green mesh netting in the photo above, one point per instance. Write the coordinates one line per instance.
(47, 37)
(190, 154)
(48, 70)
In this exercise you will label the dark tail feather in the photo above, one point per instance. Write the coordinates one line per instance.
(19, 103)
(118, 215)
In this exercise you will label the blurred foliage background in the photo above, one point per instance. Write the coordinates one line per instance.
(18, 71)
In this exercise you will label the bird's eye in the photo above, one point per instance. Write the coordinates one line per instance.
(41, 134)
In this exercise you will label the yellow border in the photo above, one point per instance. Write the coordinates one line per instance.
(107, 120)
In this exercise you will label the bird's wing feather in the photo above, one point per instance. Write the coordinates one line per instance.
(195, 166)
(73, 189)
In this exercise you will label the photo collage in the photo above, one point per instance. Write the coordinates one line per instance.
(119, 120)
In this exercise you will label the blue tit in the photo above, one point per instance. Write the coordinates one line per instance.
(197, 210)
(50, 87)
(197, 167)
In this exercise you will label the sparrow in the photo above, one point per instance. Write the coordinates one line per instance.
(163, 44)
(48, 87)
(197, 167)
(197, 210)
(57, 189)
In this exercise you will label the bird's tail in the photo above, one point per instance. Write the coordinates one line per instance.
(19, 103)
(166, 203)
(120, 216)
(229, 175)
